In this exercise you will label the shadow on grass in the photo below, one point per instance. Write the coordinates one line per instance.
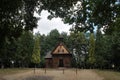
(39, 78)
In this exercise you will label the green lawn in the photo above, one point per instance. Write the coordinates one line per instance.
(108, 74)
(13, 70)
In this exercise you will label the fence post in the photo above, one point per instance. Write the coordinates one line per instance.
(63, 70)
(34, 68)
(76, 70)
(45, 70)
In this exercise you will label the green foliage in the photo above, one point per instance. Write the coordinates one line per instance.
(107, 47)
(91, 51)
(36, 51)
(116, 43)
(116, 49)
(114, 27)
(5, 55)
(103, 53)
(79, 44)
(25, 48)
(84, 14)
(15, 17)
(18, 50)
(51, 39)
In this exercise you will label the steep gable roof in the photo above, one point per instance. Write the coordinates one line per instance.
(60, 49)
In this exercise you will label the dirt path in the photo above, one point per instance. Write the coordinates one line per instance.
(52, 74)
(88, 75)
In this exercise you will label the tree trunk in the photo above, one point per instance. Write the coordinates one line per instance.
(34, 68)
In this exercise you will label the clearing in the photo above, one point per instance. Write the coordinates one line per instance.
(59, 74)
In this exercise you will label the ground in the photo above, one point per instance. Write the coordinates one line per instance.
(57, 74)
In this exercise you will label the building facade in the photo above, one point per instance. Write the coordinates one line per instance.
(60, 56)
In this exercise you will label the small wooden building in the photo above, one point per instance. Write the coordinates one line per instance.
(60, 56)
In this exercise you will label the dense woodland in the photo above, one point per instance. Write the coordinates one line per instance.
(94, 38)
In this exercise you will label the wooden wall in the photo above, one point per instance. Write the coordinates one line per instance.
(54, 62)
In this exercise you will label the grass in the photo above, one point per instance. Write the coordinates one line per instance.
(57, 74)
(108, 74)
(13, 70)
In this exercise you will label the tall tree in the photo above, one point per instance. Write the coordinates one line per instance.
(16, 16)
(91, 51)
(36, 51)
(79, 43)
(25, 48)
(116, 43)
(103, 49)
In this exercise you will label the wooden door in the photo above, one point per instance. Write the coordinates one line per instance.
(61, 64)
